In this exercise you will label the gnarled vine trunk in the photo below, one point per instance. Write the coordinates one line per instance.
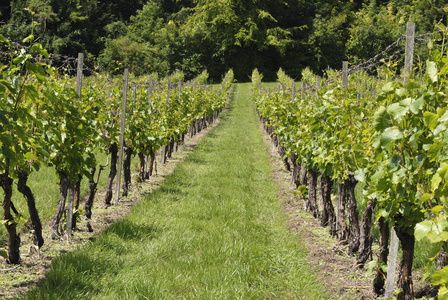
(77, 197)
(127, 170)
(113, 150)
(312, 195)
(23, 188)
(92, 191)
(282, 153)
(380, 277)
(141, 170)
(343, 232)
(352, 210)
(170, 147)
(365, 237)
(11, 225)
(296, 168)
(64, 184)
(405, 283)
(328, 216)
(152, 158)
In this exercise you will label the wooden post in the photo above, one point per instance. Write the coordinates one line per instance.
(293, 92)
(135, 95)
(302, 90)
(150, 87)
(71, 191)
(180, 88)
(79, 74)
(123, 119)
(409, 54)
(393, 247)
(168, 93)
(163, 161)
(345, 74)
(318, 84)
(71, 198)
(391, 265)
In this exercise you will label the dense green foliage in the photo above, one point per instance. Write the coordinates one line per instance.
(390, 133)
(214, 229)
(193, 35)
(44, 121)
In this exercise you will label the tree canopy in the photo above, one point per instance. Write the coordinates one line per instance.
(193, 35)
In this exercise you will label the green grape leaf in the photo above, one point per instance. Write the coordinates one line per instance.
(430, 119)
(440, 276)
(417, 105)
(422, 229)
(431, 70)
(443, 292)
(388, 136)
(397, 111)
(381, 119)
(360, 175)
(435, 181)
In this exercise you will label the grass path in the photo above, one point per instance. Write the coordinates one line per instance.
(213, 230)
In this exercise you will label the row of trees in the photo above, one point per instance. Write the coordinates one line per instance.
(193, 35)
(389, 134)
(45, 121)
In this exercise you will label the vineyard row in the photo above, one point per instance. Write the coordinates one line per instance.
(50, 120)
(389, 133)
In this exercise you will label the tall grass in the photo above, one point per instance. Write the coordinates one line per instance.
(213, 230)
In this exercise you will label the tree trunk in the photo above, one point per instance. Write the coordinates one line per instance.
(343, 233)
(304, 175)
(92, 191)
(191, 130)
(282, 153)
(198, 126)
(127, 170)
(64, 183)
(442, 259)
(141, 171)
(152, 158)
(171, 147)
(275, 139)
(380, 278)
(23, 188)
(296, 170)
(328, 217)
(164, 150)
(11, 225)
(113, 150)
(405, 276)
(352, 214)
(312, 184)
(366, 239)
(77, 190)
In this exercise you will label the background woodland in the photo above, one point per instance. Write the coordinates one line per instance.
(192, 35)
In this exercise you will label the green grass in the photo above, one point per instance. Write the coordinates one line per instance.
(45, 187)
(213, 230)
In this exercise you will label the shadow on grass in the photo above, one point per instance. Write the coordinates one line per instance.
(80, 272)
